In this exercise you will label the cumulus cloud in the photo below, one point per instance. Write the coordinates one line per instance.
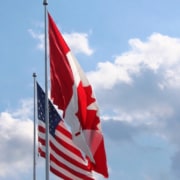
(138, 93)
(78, 42)
(159, 54)
(176, 163)
(16, 142)
(140, 87)
(122, 131)
(39, 37)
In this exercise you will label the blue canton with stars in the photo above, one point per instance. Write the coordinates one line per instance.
(54, 117)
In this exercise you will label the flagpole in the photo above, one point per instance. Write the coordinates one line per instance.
(34, 142)
(45, 3)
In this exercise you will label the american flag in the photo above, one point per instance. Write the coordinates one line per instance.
(66, 160)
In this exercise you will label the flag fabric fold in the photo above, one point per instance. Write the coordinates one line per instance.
(72, 93)
(66, 159)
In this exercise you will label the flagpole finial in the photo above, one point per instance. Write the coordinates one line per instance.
(34, 74)
(45, 2)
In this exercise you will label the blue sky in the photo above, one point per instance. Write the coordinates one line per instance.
(130, 51)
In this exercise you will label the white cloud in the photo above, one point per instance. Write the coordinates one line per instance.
(171, 78)
(150, 116)
(78, 42)
(108, 74)
(25, 110)
(16, 143)
(39, 37)
(138, 92)
(159, 54)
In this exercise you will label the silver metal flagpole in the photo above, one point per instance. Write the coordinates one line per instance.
(34, 142)
(45, 3)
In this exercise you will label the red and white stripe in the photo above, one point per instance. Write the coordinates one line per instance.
(66, 160)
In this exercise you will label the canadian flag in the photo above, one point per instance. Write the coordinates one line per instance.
(72, 93)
